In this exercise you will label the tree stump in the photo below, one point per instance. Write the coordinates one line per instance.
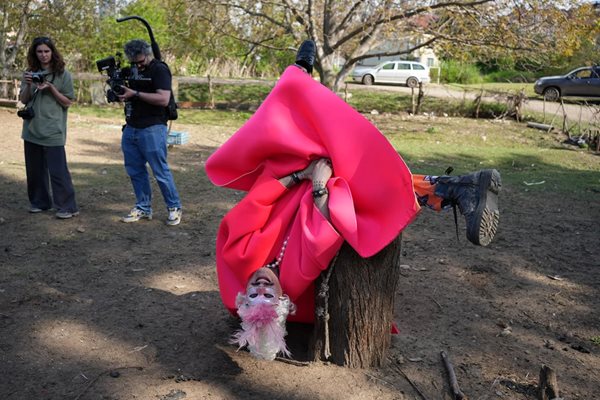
(355, 308)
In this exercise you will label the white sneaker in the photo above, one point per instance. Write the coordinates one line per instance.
(174, 217)
(136, 214)
(66, 214)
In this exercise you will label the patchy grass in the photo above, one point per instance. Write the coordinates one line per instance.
(200, 117)
(503, 87)
(431, 144)
(388, 102)
(225, 95)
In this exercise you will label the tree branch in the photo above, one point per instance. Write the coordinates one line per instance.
(253, 13)
(354, 60)
(405, 15)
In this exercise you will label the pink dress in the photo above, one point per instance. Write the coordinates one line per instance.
(371, 196)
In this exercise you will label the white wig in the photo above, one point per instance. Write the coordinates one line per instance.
(263, 326)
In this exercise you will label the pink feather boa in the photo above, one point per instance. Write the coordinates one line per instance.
(263, 327)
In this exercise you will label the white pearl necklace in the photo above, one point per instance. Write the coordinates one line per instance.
(277, 262)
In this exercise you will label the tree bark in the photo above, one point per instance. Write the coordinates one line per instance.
(355, 310)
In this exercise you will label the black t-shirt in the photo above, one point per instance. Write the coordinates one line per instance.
(144, 114)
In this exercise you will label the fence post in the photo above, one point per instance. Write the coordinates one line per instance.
(211, 97)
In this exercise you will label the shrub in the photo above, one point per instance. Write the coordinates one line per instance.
(458, 72)
(510, 75)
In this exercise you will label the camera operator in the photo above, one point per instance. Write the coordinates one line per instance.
(145, 133)
(47, 90)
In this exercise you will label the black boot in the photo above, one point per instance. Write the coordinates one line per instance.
(476, 196)
(306, 55)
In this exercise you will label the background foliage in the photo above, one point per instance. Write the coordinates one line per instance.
(505, 41)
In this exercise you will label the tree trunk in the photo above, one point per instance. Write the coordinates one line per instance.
(355, 312)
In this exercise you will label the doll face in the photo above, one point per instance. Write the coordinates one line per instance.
(264, 287)
(44, 54)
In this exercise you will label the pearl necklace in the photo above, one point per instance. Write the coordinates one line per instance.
(277, 261)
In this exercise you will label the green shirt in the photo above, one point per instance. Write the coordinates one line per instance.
(49, 125)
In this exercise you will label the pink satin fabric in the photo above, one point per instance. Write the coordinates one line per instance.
(371, 192)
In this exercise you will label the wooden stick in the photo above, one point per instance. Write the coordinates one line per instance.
(292, 362)
(457, 394)
(548, 385)
(411, 382)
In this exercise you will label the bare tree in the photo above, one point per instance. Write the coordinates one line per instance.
(13, 19)
(348, 32)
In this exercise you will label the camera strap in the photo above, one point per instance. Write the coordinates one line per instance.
(30, 102)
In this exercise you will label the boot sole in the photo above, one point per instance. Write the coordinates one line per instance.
(487, 213)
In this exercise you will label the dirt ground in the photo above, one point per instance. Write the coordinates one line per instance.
(91, 308)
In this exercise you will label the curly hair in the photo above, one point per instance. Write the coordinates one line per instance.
(135, 47)
(57, 64)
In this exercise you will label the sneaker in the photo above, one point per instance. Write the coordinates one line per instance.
(66, 214)
(476, 196)
(174, 217)
(35, 210)
(136, 214)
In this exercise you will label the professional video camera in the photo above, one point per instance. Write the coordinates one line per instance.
(117, 76)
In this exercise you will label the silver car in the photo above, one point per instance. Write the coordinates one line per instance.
(409, 73)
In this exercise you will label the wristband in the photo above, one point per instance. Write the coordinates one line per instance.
(137, 94)
(320, 192)
(296, 178)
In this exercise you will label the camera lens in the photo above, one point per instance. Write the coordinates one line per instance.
(118, 89)
(111, 96)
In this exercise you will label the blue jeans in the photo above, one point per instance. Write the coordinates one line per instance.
(148, 145)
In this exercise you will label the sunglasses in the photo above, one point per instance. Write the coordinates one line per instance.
(140, 63)
(42, 40)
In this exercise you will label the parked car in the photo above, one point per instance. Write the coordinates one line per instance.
(409, 73)
(584, 82)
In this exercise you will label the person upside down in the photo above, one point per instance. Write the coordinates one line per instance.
(317, 173)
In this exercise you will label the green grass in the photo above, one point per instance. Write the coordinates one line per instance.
(431, 144)
(499, 87)
(388, 102)
(201, 117)
(596, 340)
(522, 154)
(527, 88)
(227, 95)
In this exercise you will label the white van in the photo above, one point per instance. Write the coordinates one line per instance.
(409, 73)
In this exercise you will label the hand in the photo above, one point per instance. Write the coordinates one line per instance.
(321, 173)
(127, 93)
(45, 85)
(27, 77)
(307, 172)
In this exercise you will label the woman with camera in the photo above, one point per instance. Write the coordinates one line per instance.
(47, 91)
